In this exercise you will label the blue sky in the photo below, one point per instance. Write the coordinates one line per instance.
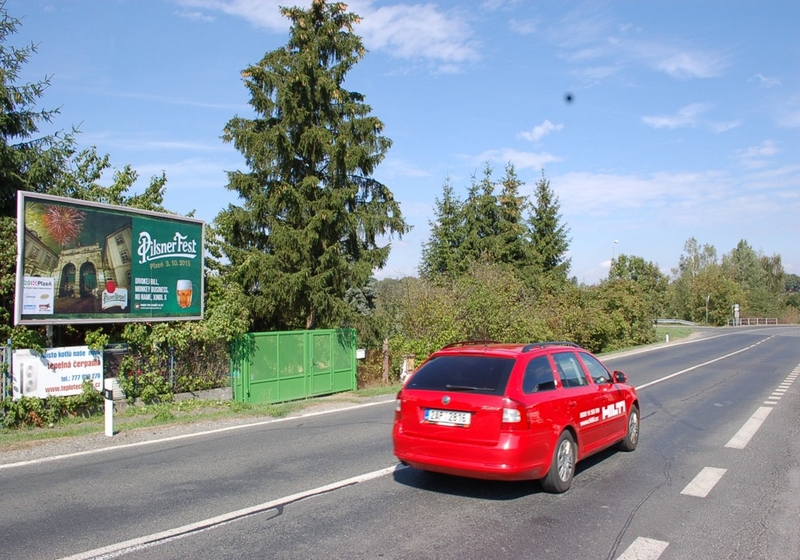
(685, 117)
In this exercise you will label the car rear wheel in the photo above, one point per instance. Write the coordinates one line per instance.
(632, 436)
(562, 467)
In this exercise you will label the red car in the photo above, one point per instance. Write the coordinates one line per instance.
(512, 412)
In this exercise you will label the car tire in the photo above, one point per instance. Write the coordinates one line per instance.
(562, 467)
(631, 438)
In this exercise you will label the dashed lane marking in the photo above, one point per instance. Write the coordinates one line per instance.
(742, 437)
(704, 482)
(644, 549)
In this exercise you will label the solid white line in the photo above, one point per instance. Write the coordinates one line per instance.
(704, 482)
(742, 437)
(171, 534)
(187, 436)
(644, 549)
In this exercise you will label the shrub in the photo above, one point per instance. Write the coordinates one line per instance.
(33, 411)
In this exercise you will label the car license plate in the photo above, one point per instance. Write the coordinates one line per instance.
(447, 417)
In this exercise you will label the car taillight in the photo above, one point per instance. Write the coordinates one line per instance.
(514, 416)
(511, 416)
(398, 406)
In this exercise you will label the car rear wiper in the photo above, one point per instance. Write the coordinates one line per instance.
(467, 388)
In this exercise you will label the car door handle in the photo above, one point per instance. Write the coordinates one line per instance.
(572, 404)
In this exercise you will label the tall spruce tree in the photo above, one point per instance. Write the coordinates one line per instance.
(512, 244)
(549, 236)
(29, 161)
(312, 217)
(441, 253)
(481, 219)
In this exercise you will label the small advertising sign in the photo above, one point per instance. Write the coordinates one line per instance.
(59, 372)
(81, 262)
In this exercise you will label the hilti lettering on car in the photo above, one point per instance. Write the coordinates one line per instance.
(491, 410)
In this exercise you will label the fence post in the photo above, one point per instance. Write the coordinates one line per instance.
(108, 397)
(5, 368)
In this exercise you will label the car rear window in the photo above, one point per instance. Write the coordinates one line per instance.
(474, 374)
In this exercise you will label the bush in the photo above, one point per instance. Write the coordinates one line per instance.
(32, 411)
(140, 380)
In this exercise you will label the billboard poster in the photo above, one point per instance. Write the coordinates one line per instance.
(83, 262)
(59, 372)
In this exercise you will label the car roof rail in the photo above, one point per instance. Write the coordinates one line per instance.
(470, 343)
(529, 347)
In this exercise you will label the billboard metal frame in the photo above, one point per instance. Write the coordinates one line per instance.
(93, 263)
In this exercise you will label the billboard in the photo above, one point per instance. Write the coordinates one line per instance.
(59, 372)
(84, 262)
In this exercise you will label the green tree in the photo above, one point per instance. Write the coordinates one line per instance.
(714, 293)
(481, 220)
(81, 175)
(511, 242)
(441, 253)
(691, 263)
(28, 161)
(791, 283)
(490, 226)
(651, 280)
(760, 277)
(549, 237)
(312, 214)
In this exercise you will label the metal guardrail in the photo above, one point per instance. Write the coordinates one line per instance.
(752, 322)
(674, 322)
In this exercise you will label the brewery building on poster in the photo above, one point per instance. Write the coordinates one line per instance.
(80, 273)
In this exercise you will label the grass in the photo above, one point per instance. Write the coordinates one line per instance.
(674, 332)
(183, 412)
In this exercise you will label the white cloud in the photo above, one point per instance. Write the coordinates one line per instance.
(765, 80)
(540, 131)
(685, 64)
(261, 13)
(520, 160)
(758, 156)
(686, 116)
(408, 31)
(525, 26)
(593, 38)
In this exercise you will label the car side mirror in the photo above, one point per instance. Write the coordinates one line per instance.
(620, 377)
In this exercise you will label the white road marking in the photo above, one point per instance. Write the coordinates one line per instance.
(187, 436)
(704, 482)
(644, 549)
(676, 374)
(147, 541)
(742, 437)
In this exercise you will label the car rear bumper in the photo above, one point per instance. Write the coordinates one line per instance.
(513, 458)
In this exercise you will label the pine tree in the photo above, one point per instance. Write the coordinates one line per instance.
(512, 245)
(441, 253)
(27, 162)
(548, 236)
(481, 219)
(312, 214)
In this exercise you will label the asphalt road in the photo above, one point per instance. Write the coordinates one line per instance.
(716, 475)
